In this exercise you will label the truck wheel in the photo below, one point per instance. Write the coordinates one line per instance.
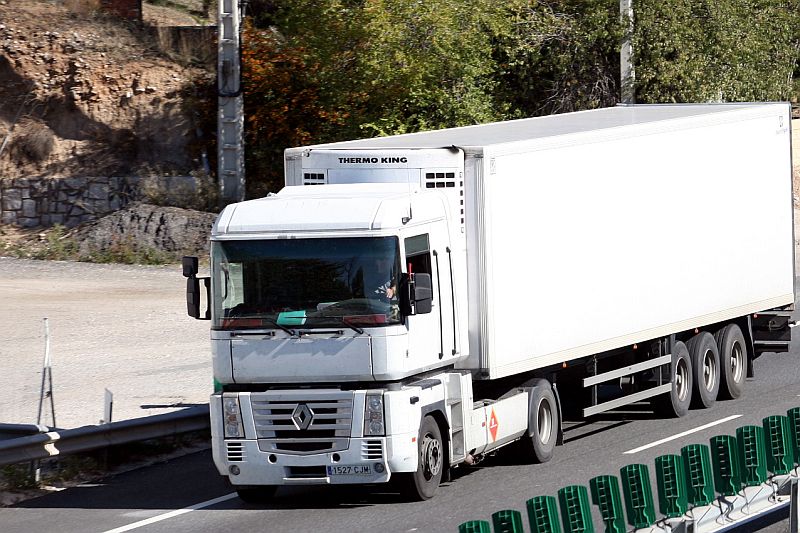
(538, 445)
(733, 355)
(705, 366)
(261, 494)
(676, 403)
(422, 484)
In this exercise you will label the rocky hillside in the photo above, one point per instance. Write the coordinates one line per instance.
(84, 93)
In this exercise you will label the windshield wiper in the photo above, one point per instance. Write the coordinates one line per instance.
(275, 323)
(348, 324)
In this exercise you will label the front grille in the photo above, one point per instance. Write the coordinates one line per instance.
(372, 450)
(236, 453)
(303, 447)
(303, 423)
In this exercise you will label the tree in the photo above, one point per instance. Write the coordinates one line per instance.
(715, 50)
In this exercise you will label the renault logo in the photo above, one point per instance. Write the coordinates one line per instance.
(302, 416)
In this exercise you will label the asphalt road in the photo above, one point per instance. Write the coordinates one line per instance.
(147, 500)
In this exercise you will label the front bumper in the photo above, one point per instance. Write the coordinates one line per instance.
(245, 464)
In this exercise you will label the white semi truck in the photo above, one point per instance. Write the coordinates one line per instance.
(408, 304)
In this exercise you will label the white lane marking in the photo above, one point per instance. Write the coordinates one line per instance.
(679, 435)
(172, 514)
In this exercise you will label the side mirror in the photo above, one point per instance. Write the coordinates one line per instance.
(193, 297)
(423, 294)
(190, 266)
(190, 269)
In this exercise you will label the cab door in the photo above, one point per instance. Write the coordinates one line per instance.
(431, 335)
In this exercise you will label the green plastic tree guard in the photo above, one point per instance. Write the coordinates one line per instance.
(575, 511)
(725, 462)
(543, 514)
(780, 453)
(507, 521)
(475, 526)
(699, 478)
(671, 483)
(794, 431)
(752, 457)
(606, 496)
(638, 495)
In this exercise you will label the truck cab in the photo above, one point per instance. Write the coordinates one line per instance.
(331, 287)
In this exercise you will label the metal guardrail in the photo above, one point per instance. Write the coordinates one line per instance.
(88, 438)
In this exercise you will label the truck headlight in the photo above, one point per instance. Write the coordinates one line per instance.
(232, 417)
(373, 416)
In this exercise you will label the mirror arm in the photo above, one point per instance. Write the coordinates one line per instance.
(207, 283)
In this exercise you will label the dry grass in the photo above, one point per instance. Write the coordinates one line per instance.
(82, 7)
(34, 140)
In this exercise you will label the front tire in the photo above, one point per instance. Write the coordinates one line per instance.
(676, 403)
(733, 355)
(705, 365)
(540, 442)
(422, 484)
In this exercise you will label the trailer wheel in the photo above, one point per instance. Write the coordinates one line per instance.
(261, 494)
(676, 403)
(705, 366)
(538, 445)
(422, 484)
(733, 354)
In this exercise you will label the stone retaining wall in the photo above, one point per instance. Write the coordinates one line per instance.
(34, 202)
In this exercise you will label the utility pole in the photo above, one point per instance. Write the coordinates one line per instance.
(627, 75)
(230, 118)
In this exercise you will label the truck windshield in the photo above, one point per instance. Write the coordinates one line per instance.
(305, 283)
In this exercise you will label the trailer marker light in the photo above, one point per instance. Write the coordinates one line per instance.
(564, 365)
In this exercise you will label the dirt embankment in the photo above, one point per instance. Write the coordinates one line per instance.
(82, 93)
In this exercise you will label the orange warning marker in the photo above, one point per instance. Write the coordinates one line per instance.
(493, 425)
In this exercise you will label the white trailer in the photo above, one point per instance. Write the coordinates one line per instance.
(631, 253)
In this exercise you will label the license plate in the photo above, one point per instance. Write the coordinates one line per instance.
(349, 470)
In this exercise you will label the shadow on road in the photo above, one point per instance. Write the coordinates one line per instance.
(192, 479)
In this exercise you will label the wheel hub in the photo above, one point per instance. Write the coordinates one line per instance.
(737, 363)
(681, 374)
(431, 456)
(709, 370)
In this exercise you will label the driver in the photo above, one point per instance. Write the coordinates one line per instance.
(386, 290)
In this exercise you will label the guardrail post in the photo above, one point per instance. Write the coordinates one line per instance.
(794, 431)
(697, 465)
(475, 526)
(543, 514)
(507, 521)
(780, 452)
(638, 495)
(725, 461)
(575, 511)
(606, 496)
(752, 457)
(671, 483)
